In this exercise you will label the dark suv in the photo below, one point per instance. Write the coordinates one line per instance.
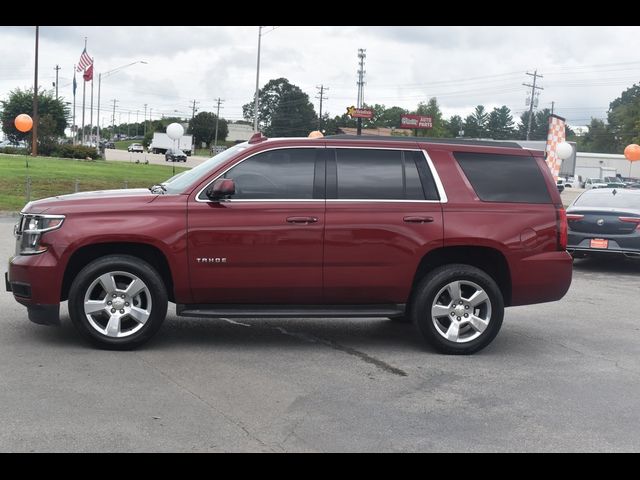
(175, 155)
(435, 232)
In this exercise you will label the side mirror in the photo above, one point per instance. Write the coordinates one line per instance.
(223, 187)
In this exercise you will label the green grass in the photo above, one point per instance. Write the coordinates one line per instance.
(57, 176)
(202, 152)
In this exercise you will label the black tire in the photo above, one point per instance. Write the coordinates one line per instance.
(425, 296)
(122, 263)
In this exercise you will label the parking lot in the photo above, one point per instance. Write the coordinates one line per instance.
(563, 376)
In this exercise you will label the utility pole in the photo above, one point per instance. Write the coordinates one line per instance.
(113, 118)
(57, 69)
(34, 129)
(535, 76)
(129, 125)
(194, 110)
(145, 119)
(256, 101)
(215, 142)
(361, 71)
(321, 97)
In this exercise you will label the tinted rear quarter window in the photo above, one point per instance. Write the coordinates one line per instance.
(504, 178)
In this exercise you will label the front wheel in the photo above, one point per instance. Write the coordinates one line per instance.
(458, 309)
(118, 302)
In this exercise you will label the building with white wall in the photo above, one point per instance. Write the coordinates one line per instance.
(239, 131)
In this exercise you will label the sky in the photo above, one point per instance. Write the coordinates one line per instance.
(583, 68)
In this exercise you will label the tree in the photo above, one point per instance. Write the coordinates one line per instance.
(285, 110)
(456, 125)
(599, 138)
(432, 109)
(391, 117)
(476, 123)
(500, 124)
(624, 117)
(539, 125)
(203, 128)
(52, 115)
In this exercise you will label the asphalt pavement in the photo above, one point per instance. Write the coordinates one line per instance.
(561, 376)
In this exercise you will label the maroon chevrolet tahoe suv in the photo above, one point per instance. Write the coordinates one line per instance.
(442, 233)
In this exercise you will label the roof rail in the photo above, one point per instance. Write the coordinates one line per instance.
(451, 141)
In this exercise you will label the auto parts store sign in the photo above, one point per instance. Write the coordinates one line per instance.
(415, 121)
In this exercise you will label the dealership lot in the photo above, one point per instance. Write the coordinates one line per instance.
(563, 376)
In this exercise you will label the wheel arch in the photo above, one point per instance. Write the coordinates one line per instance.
(88, 253)
(490, 260)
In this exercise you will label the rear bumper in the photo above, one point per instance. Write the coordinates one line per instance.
(621, 244)
(545, 277)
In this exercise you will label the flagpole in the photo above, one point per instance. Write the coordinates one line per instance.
(84, 88)
(98, 114)
(91, 109)
(73, 125)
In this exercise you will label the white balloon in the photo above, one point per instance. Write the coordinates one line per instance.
(175, 131)
(564, 150)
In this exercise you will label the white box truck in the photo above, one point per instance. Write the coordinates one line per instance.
(161, 143)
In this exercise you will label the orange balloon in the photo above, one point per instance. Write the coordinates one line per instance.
(632, 152)
(23, 122)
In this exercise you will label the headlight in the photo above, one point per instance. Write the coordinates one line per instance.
(30, 229)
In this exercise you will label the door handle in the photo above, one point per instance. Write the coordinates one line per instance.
(302, 220)
(418, 219)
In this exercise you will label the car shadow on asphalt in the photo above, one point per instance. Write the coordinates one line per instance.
(351, 335)
(607, 264)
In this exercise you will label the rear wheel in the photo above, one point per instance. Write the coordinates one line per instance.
(118, 302)
(458, 309)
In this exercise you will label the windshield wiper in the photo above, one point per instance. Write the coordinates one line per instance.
(159, 188)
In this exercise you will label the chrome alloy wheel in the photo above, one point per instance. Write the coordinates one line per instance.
(117, 304)
(461, 311)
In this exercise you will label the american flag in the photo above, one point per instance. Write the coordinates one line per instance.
(85, 61)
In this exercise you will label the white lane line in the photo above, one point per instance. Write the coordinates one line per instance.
(228, 320)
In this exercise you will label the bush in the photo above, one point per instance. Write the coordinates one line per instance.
(15, 150)
(75, 151)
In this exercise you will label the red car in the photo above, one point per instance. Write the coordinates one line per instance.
(406, 228)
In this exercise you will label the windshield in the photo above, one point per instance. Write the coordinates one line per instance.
(177, 184)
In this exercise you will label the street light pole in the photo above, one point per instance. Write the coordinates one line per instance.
(256, 103)
(106, 74)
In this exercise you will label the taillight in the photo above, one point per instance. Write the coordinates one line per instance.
(573, 217)
(635, 220)
(563, 227)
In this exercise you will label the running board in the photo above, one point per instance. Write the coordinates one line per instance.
(291, 311)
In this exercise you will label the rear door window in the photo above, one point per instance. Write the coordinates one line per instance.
(370, 174)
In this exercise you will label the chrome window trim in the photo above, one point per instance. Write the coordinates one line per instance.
(434, 173)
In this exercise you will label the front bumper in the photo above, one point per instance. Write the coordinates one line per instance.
(36, 284)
